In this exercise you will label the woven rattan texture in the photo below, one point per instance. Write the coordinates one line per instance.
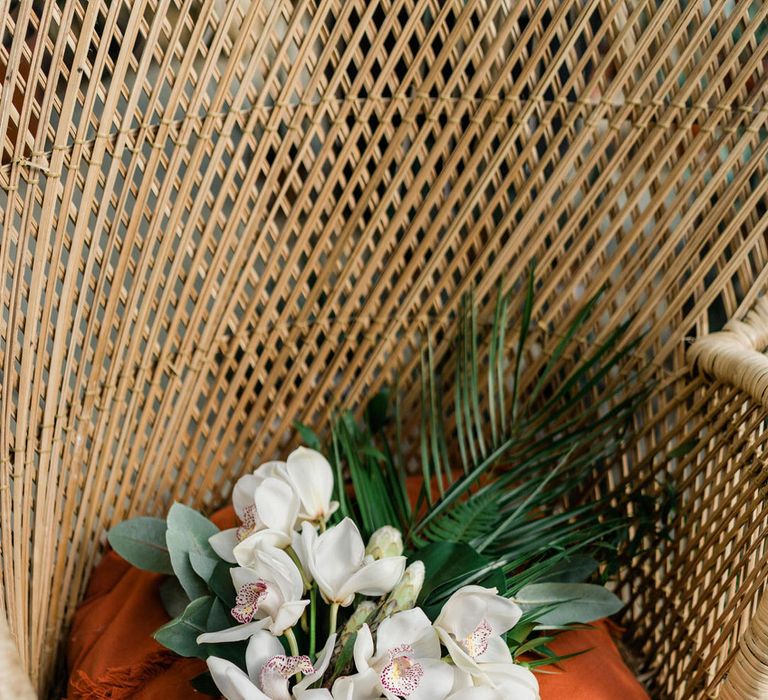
(709, 576)
(218, 217)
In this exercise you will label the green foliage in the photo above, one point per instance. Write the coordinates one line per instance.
(173, 597)
(193, 559)
(573, 569)
(308, 436)
(141, 541)
(503, 460)
(379, 485)
(448, 562)
(205, 685)
(180, 635)
(574, 602)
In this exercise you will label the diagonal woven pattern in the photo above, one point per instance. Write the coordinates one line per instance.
(219, 216)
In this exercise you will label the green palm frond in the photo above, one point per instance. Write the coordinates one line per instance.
(466, 522)
(507, 466)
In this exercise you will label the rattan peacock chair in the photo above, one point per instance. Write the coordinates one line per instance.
(219, 216)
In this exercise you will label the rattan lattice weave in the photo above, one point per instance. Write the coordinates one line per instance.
(219, 216)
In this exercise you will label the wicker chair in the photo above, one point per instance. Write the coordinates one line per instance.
(219, 216)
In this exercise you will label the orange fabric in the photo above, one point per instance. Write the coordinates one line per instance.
(599, 674)
(111, 653)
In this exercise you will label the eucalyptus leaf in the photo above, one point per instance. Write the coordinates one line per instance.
(192, 557)
(141, 542)
(178, 546)
(221, 584)
(193, 524)
(577, 602)
(203, 565)
(219, 618)
(173, 596)
(180, 635)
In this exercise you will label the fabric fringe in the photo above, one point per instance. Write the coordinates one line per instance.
(121, 681)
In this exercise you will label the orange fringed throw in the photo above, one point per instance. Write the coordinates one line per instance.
(111, 652)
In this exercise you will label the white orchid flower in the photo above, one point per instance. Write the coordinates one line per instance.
(275, 498)
(477, 693)
(470, 626)
(311, 477)
(269, 588)
(510, 680)
(264, 502)
(269, 671)
(277, 509)
(336, 559)
(507, 681)
(405, 663)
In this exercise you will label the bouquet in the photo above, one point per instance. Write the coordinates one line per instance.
(338, 586)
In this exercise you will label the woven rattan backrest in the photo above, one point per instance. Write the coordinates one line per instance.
(222, 216)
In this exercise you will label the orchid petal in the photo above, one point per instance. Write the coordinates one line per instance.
(224, 543)
(410, 627)
(461, 679)
(233, 634)
(363, 649)
(321, 665)
(311, 476)
(287, 616)
(497, 652)
(244, 551)
(512, 680)
(299, 546)
(436, 683)
(272, 467)
(470, 605)
(232, 682)
(272, 565)
(374, 579)
(262, 646)
(459, 656)
(360, 686)
(335, 555)
(309, 539)
(242, 494)
(476, 693)
(277, 506)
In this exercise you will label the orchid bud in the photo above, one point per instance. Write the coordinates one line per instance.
(386, 542)
(361, 613)
(360, 616)
(406, 592)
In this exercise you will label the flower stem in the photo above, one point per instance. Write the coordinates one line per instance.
(293, 645)
(292, 554)
(334, 614)
(312, 620)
